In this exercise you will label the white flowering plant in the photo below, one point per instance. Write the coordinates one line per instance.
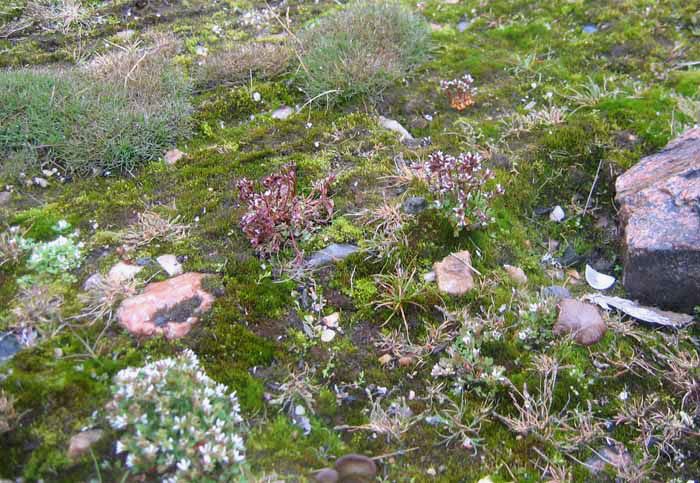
(55, 257)
(178, 423)
(465, 364)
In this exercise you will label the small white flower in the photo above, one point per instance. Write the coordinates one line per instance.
(623, 395)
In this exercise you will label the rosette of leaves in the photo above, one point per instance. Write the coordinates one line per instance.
(277, 214)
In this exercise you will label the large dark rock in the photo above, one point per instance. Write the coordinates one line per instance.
(659, 201)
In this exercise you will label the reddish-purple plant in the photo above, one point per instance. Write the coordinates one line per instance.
(460, 185)
(277, 214)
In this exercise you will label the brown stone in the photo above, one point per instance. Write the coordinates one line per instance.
(169, 308)
(326, 475)
(659, 201)
(356, 467)
(454, 273)
(581, 320)
(516, 274)
(81, 443)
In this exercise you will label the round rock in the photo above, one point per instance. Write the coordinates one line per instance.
(581, 320)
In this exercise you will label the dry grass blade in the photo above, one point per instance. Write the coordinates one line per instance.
(463, 427)
(100, 301)
(150, 226)
(236, 66)
(297, 388)
(392, 423)
(37, 309)
(10, 249)
(534, 412)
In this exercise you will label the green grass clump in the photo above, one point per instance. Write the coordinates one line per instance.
(361, 50)
(86, 125)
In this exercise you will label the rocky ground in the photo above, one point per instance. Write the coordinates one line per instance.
(508, 349)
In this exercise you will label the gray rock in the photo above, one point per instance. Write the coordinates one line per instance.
(330, 254)
(41, 182)
(617, 457)
(5, 197)
(9, 346)
(659, 200)
(556, 292)
(463, 25)
(414, 205)
(93, 282)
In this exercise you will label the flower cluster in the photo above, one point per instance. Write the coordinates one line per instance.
(277, 214)
(178, 422)
(460, 182)
(459, 91)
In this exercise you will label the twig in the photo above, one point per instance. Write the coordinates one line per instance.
(595, 181)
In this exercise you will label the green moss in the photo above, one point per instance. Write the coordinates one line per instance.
(281, 446)
(39, 222)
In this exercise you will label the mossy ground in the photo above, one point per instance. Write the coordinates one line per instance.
(620, 84)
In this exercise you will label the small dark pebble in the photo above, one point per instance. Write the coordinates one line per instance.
(543, 210)
(142, 262)
(9, 346)
(556, 292)
(570, 257)
(414, 205)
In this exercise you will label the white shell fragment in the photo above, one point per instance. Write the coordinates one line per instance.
(331, 321)
(640, 312)
(395, 126)
(597, 280)
(557, 215)
(327, 335)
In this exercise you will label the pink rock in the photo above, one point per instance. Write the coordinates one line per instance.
(122, 272)
(580, 319)
(454, 273)
(169, 308)
(173, 156)
(81, 443)
(659, 201)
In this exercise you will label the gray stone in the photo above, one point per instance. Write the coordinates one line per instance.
(414, 205)
(556, 292)
(5, 197)
(93, 282)
(9, 346)
(617, 457)
(659, 200)
(330, 254)
(463, 25)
